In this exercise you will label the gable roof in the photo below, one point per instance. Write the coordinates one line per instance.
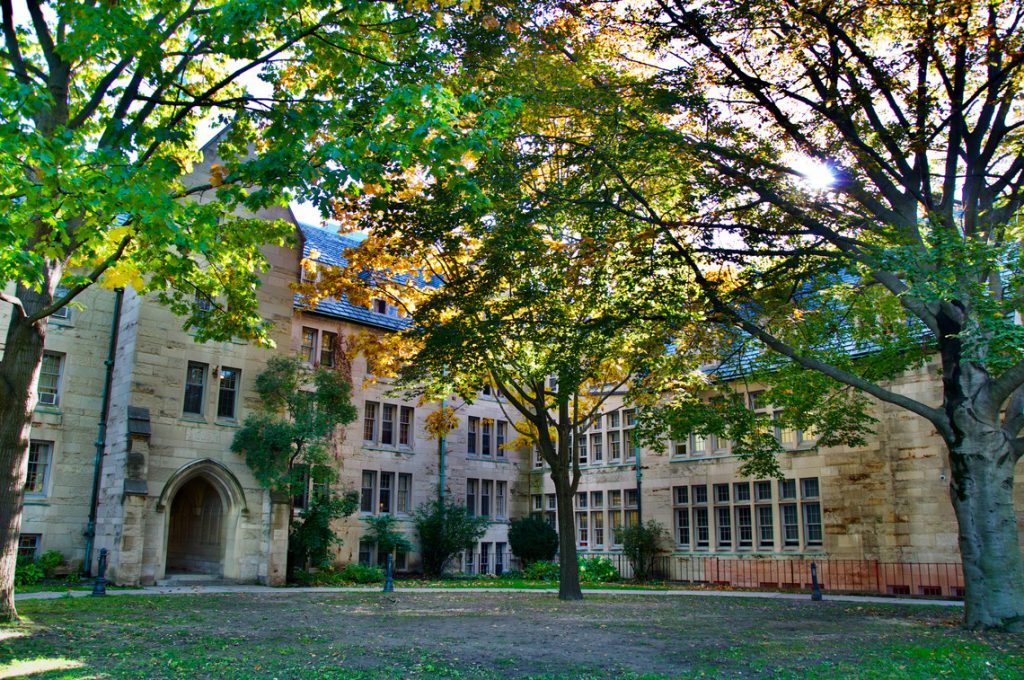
(330, 248)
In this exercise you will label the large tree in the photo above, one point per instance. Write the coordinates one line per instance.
(849, 185)
(99, 108)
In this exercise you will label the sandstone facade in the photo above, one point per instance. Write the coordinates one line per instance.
(173, 498)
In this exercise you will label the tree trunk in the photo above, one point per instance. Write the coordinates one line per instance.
(19, 371)
(568, 569)
(982, 494)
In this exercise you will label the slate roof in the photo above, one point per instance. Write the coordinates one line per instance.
(330, 247)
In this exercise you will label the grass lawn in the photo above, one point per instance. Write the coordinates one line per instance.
(493, 635)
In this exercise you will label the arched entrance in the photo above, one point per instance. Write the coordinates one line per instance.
(195, 535)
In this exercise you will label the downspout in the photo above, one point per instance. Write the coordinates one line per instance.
(101, 435)
(440, 453)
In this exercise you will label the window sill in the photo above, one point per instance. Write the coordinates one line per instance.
(192, 419)
(53, 409)
(373, 446)
(37, 500)
(225, 422)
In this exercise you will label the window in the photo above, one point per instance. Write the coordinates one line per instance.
(486, 487)
(404, 505)
(582, 530)
(597, 523)
(366, 491)
(700, 494)
(581, 449)
(632, 515)
(614, 446)
(499, 559)
(387, 425)
(680, 499)
(50, 374)
(809, 488)
(28, 545)
(741, 491)
(328, 349)
(64, 313)
(630, 417)
(613, 420)
(615, 514)
(405, 418)
(538, 502)
(485, 437)
(485, 557)
(721, 493)
(501, 428)
(763, 491)
(365, 553)
(787, 489)
(195, 385)
(790, 527)
(227, 395)
(788, 437)
(765, 527)
(474, 428)
(812, 523)
(683, 527)
(40, 457)
(380, 306)
(744, 527)
(471, 487)
(595, 449)
(387, 482)
(597, 422)
(370, 421)
(500, 491)
(300, 500)
(723, 519)
(581, 500)
(307, 352)
(700, 524)
(597, 499)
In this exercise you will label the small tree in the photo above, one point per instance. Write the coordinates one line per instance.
(641, 544)
(533, 539)
(312, 538)
(285, 444)
(445, 529)
(382, 531)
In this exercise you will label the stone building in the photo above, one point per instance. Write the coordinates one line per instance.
(172, 498)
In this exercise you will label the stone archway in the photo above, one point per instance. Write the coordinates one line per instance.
(203, 506)
(195, 533)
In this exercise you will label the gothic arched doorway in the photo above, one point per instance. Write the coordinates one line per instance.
(195, 536)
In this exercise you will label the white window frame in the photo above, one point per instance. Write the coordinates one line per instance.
(52, 396)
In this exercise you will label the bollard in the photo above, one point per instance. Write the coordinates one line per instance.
(100, 586)
(815, 588)
(389, 584)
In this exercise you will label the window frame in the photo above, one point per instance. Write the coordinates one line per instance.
(205, 372)
(58, 381)
(42, 488)
(236, 374)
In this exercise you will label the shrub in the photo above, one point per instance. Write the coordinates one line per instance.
(597, 569)
(382, 531)
(541, 570)
(641, 544)
(445, 529)
(27, 572)
(532, 538)
(313, 537)
(361, 573)
(49, 561)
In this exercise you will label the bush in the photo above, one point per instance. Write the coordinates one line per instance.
(350, 573)
(49, 561)
(361, 573)
(445, 529)
(532, 538)
(382, 531)
(313, 537)
(541, 570)
(597, 569)
(27, 572)
(641, 544)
